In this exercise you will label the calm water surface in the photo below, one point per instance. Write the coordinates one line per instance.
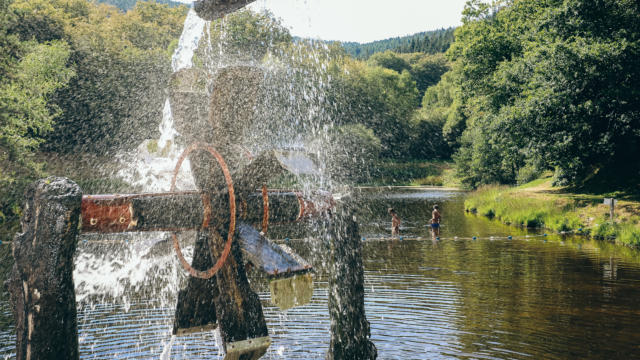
(532, 297)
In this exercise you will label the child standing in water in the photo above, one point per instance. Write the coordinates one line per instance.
(435, 220)
(395, 222)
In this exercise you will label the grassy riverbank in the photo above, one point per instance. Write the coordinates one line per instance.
(537, 204)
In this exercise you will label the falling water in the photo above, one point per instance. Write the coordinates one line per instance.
(154, 162)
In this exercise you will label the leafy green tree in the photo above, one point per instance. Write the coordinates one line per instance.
(551, 84)
(9, 43)
(26, 115)
(427, 70)
(122, 62)
(379, 98)
(76, 76)
(389, 60)
(247, 35)
(438, 125)
(443, 103)
(354, 152)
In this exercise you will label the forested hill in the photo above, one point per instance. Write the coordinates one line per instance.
(125, 5)
(429, 42)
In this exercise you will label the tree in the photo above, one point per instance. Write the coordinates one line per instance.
(122, 64)
(389, 60)
(76, 77)
(427, 70)
(379, 98)
(33, 72)
(429, 42)
(354, 150)
(553, 85)
(246, 35)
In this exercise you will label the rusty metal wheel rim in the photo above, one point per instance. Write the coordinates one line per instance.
(206, 201)
(265, 209)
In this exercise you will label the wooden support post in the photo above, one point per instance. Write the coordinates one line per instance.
(225, 298)
(350, 332)
(196, 310)
(612, 205)
(41, 282)
(243, 327)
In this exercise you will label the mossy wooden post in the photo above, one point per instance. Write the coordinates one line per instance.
(350, 331)
(41, 282)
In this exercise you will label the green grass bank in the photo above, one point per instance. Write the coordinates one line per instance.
(537, 204)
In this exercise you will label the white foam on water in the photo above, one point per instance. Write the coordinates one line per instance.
(113, 271)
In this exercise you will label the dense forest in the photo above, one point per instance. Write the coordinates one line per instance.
(429, 42)
(125, 5)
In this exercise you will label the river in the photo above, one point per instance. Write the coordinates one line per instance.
(529, 297)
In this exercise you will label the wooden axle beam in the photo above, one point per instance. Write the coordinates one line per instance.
(181, 211)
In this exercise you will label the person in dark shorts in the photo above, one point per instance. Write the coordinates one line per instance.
(435, 220)
(395, 222)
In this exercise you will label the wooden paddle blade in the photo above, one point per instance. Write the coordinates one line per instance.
(272, 259)
(196, 308)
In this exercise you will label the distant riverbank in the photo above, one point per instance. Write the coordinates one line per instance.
(412, 173)
(538, 204)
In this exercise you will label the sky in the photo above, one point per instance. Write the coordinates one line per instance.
(362, 20)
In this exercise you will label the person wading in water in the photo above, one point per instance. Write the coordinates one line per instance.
(435, 221)
(395, 222)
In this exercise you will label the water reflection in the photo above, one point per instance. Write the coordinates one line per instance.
(536, 297)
